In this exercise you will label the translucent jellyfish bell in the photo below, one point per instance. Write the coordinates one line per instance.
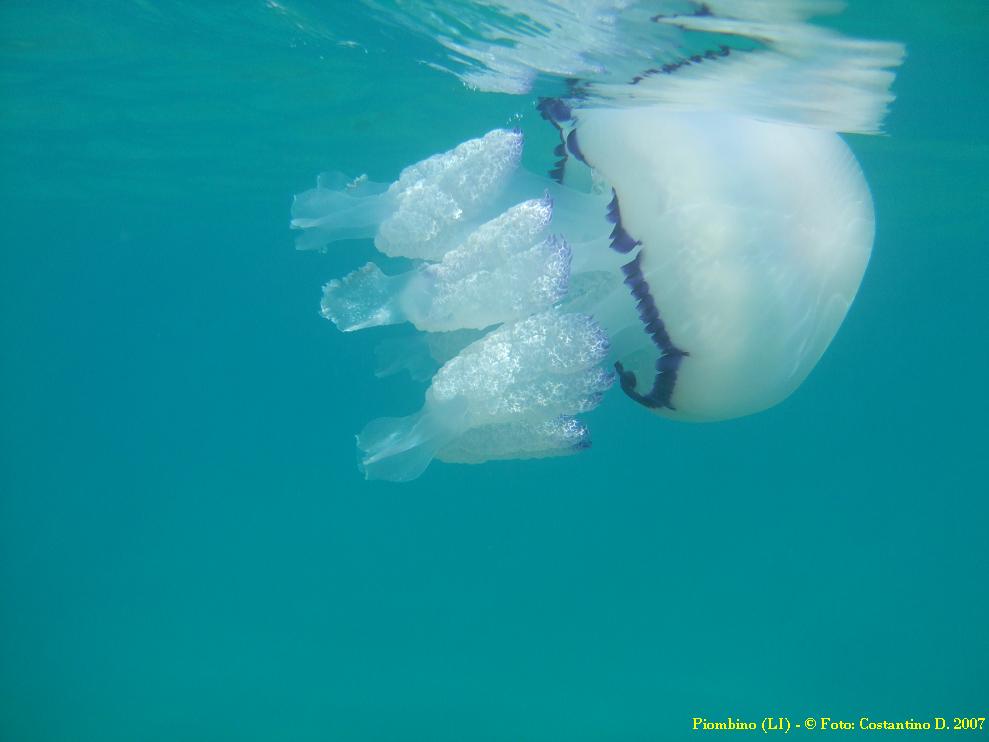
(748, 241)
(698, 245)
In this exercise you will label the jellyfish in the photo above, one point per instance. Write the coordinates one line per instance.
(696, 252)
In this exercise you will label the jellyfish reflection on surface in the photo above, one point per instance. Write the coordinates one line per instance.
(697, 245)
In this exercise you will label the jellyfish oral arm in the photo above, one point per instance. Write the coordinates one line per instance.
(339, 209)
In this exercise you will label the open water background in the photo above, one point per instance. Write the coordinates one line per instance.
(188, 552)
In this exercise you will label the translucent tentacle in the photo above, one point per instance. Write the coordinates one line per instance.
(432, 206)
(399, 449)
(422, 354)
(364, 298)
(496, 275)
(510, 394)
(339, 209)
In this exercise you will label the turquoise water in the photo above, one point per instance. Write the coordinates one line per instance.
(187, 550)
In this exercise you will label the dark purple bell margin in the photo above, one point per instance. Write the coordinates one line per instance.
(668, 363)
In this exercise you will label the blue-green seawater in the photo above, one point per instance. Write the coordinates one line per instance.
(188, 550)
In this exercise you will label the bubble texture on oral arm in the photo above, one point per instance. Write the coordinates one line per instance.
(559, 436)
(363, 298)
(501, 238)
(463, 296)
(542, 365)
(439, 199)
(496, 275)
